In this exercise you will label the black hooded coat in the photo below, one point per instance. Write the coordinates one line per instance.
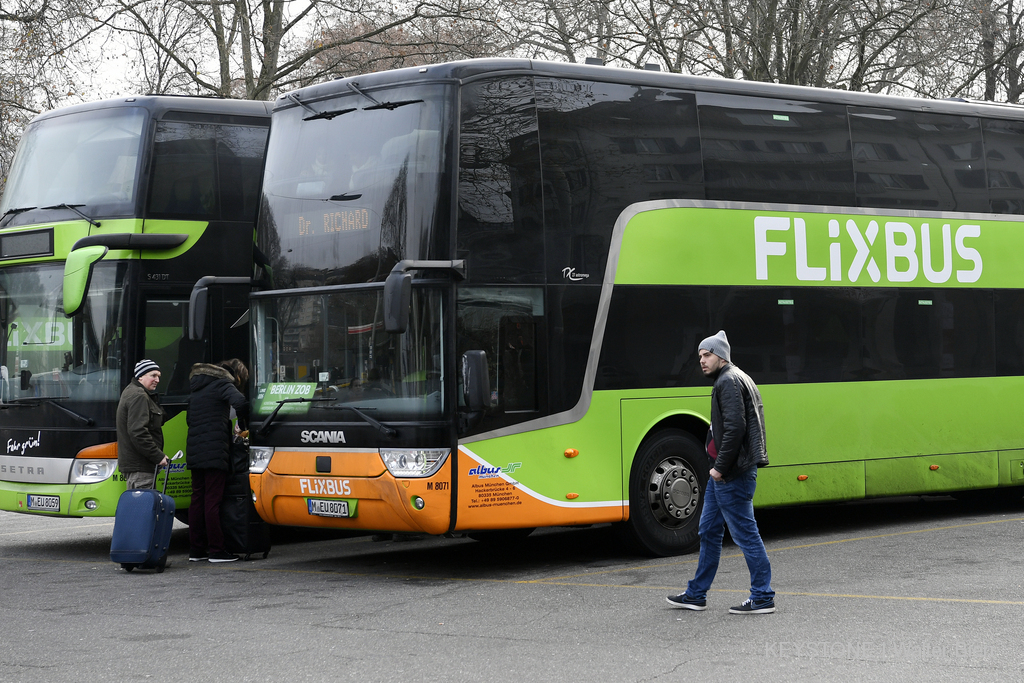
(209, 416)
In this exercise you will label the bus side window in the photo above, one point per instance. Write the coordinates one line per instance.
(914, 160)
(506, 322)
(500, 221)
(605, 146)
(759, 149)
(206, 171)
(168, 345)
(1004, 154)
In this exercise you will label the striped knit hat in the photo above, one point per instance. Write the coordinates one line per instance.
(143, 366)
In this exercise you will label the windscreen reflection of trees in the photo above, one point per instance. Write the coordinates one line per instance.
(57, 357)
(89, 160)
(348, 197)
(338, 341)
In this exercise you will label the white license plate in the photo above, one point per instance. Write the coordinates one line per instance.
(45, 503)
(330, 508)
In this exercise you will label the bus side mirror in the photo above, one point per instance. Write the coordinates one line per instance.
(77, 273)
(197, 312)
(397, 298)
(475, 381)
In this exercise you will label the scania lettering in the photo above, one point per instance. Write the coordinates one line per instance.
(322, 437)
(493, 275)
(111, 212)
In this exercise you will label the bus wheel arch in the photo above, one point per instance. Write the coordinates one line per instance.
(667, 482)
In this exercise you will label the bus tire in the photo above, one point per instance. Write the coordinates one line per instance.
(666, 493)
(181, 514)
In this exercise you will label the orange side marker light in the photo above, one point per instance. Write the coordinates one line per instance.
(572, 496)
(802, 477)
(571, 452)
(933, 467)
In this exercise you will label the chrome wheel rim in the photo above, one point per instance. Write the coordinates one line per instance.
(673, 492)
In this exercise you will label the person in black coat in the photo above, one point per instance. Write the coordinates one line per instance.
(215, 391)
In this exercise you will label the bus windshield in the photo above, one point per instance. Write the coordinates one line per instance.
(87, 159)
(352, 184)
(48, 356)
(331, 348)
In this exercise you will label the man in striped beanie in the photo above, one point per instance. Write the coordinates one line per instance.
(140, 419)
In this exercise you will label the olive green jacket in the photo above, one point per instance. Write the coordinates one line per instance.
(140, 436)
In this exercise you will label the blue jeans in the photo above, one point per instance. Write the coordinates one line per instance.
(731, 503)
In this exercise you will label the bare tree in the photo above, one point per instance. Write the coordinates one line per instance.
(38, 41)
(257, 47)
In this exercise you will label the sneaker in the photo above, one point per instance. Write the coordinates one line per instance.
(223, 557)
(684, 601)
(751, 607)
(198, 556)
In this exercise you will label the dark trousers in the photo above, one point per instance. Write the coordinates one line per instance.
(204, 532)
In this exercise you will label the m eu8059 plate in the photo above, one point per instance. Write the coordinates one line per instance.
(44, 503)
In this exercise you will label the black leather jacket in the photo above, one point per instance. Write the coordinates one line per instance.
(737, 423)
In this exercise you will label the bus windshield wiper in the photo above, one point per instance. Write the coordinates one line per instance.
(314, 114)
(343, 197)
(36, 400)
(74, 207)
(15, 212)
(263, 428)
(329, 115)
(381, 427)
(390, 106)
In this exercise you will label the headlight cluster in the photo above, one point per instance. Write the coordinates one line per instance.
(91, 471)
(259, 458)
(413, 462)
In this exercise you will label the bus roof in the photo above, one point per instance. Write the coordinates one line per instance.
(158, 105)
(467, 70)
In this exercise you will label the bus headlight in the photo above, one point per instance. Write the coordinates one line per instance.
(413, 462)
(91, 471)
(259, 458)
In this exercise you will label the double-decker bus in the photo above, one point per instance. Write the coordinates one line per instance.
(111, 212)
(490, 279)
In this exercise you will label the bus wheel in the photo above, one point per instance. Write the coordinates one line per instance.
(666, 493)
(181, 515)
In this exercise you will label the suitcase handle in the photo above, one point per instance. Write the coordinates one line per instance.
(167, 476)
(156, 470)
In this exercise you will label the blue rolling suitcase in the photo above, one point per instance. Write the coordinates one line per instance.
(142, 528)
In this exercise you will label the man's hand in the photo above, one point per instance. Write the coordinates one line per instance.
(164, 462)
(716, 475)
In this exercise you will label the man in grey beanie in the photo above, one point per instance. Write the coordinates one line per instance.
(736, 446)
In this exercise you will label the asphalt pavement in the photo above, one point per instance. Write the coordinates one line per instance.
(900, 589)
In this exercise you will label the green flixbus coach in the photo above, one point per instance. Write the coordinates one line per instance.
(490, 279)
(111, 212)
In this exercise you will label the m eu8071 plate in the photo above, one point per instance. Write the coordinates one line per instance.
(331, 508)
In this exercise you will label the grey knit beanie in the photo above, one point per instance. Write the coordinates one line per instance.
(718, 345)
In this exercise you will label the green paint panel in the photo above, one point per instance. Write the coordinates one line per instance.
(955, 472)
(711, 246)
(830, 482)
(832, 422)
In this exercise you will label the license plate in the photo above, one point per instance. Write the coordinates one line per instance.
(45, 503)
(331, 508)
